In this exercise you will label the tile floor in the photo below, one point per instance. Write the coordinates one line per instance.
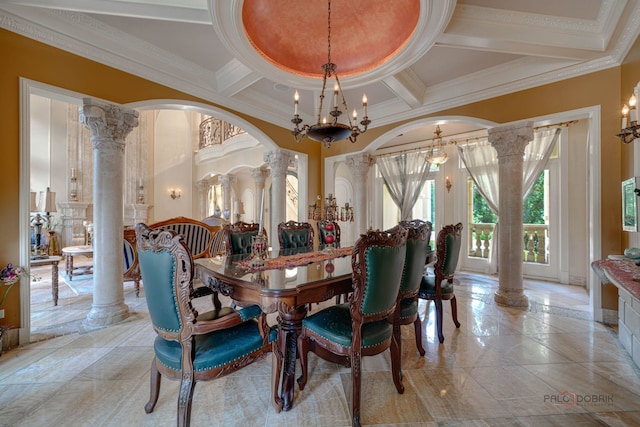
(548, 365)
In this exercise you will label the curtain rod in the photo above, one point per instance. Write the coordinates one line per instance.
(464, 141)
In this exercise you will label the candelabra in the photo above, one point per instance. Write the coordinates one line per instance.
(330, 211)
(259, 244)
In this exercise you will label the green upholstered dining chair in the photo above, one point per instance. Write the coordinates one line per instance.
(237, 237)
(418, 237)
(295, 235)
(439, 286)
(190, 346)
(343, 333)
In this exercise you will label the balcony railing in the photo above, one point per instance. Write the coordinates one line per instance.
(536, 238)
(214, 131)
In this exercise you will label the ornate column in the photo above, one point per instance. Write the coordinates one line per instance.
(226, 181)
(203, 187)
(259, 176)
(510, 142)
(109, 125)
(359, 166)
(279, 161)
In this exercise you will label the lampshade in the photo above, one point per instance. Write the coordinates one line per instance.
(48, 201)
(33, 202)
(238, 207)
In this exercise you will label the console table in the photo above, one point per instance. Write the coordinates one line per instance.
(53, 261)
(624, 274)
(69, 252)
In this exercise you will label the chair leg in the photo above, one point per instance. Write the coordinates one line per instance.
(439, 320)
(417, 326)
(215, 299)
(303, 350)
(454, 311)
(137, 287)
(356, 377)
(185, 398)
(396, 358)
(156, 378)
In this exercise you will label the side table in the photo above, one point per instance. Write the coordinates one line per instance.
(69, 252)
(53, 261)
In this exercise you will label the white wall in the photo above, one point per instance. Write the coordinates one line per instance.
(172, 167)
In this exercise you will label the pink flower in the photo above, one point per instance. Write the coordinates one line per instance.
(10, 275)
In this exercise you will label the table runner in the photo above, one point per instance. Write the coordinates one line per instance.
(291, 261)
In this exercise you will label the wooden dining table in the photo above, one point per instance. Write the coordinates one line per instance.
(279, 285)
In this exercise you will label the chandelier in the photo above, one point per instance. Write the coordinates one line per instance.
(330, 130)
(436, 154)
(330, 211)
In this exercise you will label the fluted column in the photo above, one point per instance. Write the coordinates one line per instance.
(510, 142)
(203, 187)
(109, 125)
(259, 177)
(226, 181)
(359, 165)
(279, 161)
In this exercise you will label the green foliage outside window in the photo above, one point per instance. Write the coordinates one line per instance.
(533, 210)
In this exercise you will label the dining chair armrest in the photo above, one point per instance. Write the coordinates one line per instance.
(223, 322)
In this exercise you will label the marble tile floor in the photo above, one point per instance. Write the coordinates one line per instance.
(548, 365)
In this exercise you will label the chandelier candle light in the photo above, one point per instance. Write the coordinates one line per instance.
(329, 131)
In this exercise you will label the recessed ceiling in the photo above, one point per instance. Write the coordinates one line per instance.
(364, 33)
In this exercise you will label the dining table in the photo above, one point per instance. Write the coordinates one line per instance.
(287, 283)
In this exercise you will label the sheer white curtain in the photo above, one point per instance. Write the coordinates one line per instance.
(404, 174)
(481, 161)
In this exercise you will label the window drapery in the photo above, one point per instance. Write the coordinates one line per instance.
(404, 175)
(481, 161)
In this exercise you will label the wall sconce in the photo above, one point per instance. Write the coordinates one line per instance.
(447, 184)
(630, 128)
(175, 193)
(73, 186)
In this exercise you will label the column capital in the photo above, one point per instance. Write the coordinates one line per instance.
(359, 164)
(511, 140)
(107, 122)
(260, 174)
(203, 184)
(226, 180)
(279, 161)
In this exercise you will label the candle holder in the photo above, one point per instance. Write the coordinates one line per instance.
(259, 244)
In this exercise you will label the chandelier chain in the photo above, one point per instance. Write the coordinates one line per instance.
(329, 34)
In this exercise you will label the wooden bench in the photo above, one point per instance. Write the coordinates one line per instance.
(199, 237)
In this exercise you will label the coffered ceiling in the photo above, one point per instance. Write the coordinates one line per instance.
(410, 57)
